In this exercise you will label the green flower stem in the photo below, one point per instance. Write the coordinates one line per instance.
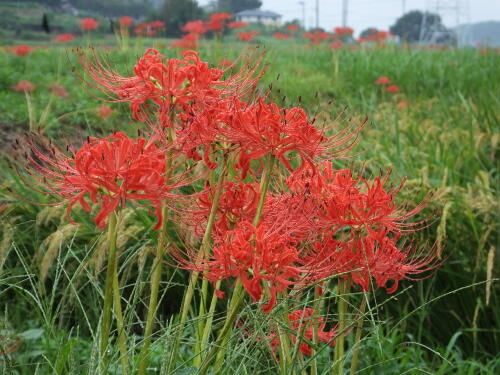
(204, 250)
(286, 358)
(153, 298)
(122, 337)
(108, 289)
(316, 308)
(156, 271)
(343, 290)
(208, 327)
(357, 338)
(218, 348)
(264, 186)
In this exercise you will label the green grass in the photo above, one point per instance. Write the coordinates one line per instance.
(445, 141)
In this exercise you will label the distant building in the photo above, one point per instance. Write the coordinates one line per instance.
(264, 17)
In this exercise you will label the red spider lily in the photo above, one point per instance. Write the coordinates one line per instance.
(392, 89)
(188, 42)
(157, 81)
(225, 63)
(58, 90)
(247, 36)
(281, 35)
(195, 27)
(238, 202)
(89, 24)
(126, 21)
(263, 129)
(157, 24)
(22, 50)
(24, 86)
(341, 31)
(104, 111)
(303, 323)
(383, 80)
(217, 20)
(292, 27)
(237, 25)
(61, 38)
(111, 171)
(336, 45)
(261, 258)
(316, 36)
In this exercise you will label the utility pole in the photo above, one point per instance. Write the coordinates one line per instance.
(344, 12)
(317, 13)
(303, 14)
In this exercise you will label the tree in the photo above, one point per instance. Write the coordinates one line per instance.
(416, 25)
(235, 6)
(176, 13)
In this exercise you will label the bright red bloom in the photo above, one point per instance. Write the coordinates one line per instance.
(256, 256)
(247, 36)
(188, 42)
(303, 322)
(237, 25)
(61, 38)
(157, 24)
(110, 171)
(24, 86)
(292, 27)
(341, 31)
(126, 21)
(22, 50)
(58, 90)
(195, 27)
(88, 24)
(281, 35)
(104, 111)
(383, 80)
(316, 36)
(336, 45)
(263, 129)
(392, 89)
(217, 21)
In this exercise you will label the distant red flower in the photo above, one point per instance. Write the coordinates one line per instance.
(292, 27)
(157, 24)
(24, 86)
(392, 89)
(336, 45)
(316, 36)
(281, 35)
(217, 21)
(247, 36)
(22, 50)
(195, 27)
(302, 322)
(237, 25)
(225, 63)
(110, 171)
(126, 21)
(61, 38)
(104, 111)
(58, 90)
(383, 80)
(88, 24)
(188, 42)
(151, 32)
(341, 31)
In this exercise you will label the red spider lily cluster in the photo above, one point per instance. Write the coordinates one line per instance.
(272, 214)
(247, 36)
(343, 31)
(24, 86)
(237, 25)
(282, 36)
(386, 82)
(63, 38)
(149, 28)
(317, 36)
(21, 50)
(126, 21)
(292, 27)
(89, 24)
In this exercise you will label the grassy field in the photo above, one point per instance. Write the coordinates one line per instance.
(441, 131)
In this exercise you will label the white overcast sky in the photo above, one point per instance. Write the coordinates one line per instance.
(381, 13)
